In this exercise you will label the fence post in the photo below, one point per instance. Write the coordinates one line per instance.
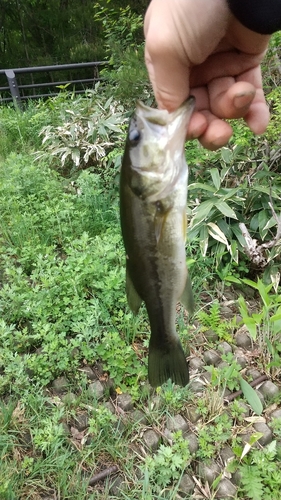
(11, 77)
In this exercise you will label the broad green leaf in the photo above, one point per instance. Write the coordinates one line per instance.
(201, 212)
(251, 396)
(232, 279)
(263, 291)
(251, 283)
(225, 209)
(227, 155)
(217, 234)
(234, 251)
(215, 178)
(204, 239)
(200, 185)
(251, 324)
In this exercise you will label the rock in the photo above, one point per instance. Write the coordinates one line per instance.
(269, 390)
(206, 376)
(151, 439)
(69, 398)
(245, 408)
(211, 357)
(266, 431)
(81, 422)
(208, 472)
(226, 489)
(60, 384)
(186, 485)
(196, 386)
(196, 364)
(224, 347)
(139, 417)
(177, 423)
(109, 406)
(226, 312)
(222, 364)
(243, 339)
(226, 454)
(240, 357)
(252, 373)
(276, 414)
(260, 395)
(117, 486)
(88, 372)
(245, 436)
(125, 402)
(193, 414)
(193, 444)
(236, 477)
(211, 335)
(96, 389)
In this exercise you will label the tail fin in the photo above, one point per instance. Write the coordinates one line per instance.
(167, 362)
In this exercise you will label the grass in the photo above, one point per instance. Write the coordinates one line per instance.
(63, 308)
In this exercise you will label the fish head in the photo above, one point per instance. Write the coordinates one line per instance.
(156, 148)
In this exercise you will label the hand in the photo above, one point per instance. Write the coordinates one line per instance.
(197, 47)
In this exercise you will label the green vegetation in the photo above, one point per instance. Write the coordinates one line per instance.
(63, 306)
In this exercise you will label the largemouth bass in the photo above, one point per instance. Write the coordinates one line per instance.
(153, 194)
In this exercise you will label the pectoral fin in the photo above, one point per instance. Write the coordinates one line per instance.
(186, 298)
(133, 297)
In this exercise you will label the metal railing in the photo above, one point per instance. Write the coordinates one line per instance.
(18, 92)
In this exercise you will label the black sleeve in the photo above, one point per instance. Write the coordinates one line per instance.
(262, 16)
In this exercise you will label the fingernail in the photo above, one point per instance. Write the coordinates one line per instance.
(242, 100)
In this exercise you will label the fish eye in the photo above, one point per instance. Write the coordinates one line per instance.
(134, 137)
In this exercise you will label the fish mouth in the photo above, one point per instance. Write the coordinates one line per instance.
(162, 117)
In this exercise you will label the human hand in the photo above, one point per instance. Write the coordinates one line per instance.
(198, 48)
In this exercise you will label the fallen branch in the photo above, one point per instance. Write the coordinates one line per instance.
(103, 475)
(255, 382)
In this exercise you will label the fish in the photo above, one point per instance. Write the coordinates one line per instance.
(153, 197)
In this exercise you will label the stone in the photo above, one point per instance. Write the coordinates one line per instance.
(81, 422)
(186, 485)
(151, 439)
(276, 414)
(117, 486)
(208, 472)
(245, 408)
(223, 364)
(196, 386)
(269, 390)
(69, 398)
(193, 444)
(243, 339)
(193, 414)
(125, 402)
(109, 406)
(96, 389)
(240, 357)
(196, 364)
(226, 489)
(139, 417)
(226, 312)
(266, 431)
(260, 395)
(206, 376)
(253, 373)
(211, 335)
(224, 347)
(88, 372)
(177, 423)
(226, 454)
(236, 477)
(211, 357)
(60, 384)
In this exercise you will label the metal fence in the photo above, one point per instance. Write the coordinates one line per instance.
(18, 90)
